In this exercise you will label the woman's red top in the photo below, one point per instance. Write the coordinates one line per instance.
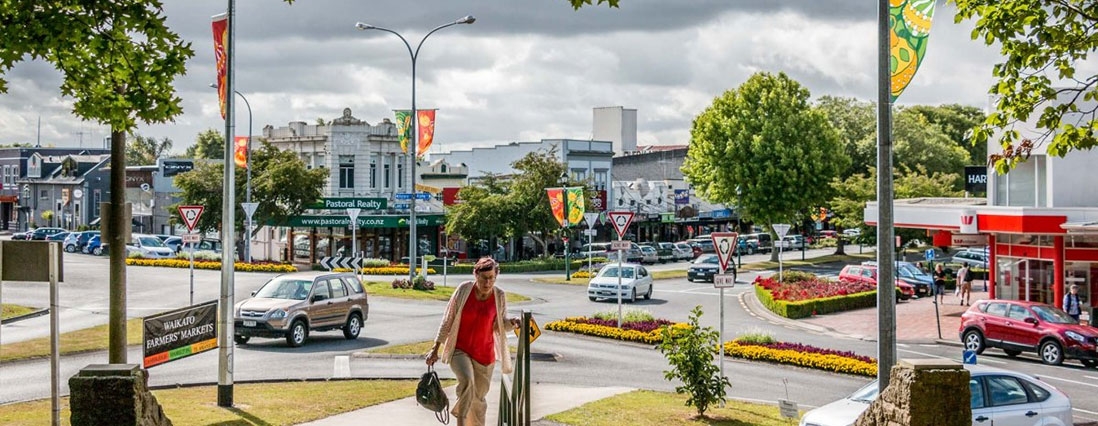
(478, 319)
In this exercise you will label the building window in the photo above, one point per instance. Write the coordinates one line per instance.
(400, 174)
(386, 168)
(600, 180)
(97, 197)
(346, 172)
(44, 194)
(7, 174)
(322, 162)
(373, 172)
(579, 174)
(1024, 186)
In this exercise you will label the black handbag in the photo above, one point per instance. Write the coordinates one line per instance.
(430, 395)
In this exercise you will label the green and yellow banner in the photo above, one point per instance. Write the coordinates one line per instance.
(910, 22)
(404, 127)
(575, 204)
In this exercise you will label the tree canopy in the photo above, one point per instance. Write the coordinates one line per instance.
(852, 194)
(144, 151)
(209, 144)
(856, 121)
(1043, 42)
(765, 149)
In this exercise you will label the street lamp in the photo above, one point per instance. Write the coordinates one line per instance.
(248, 170)
(413, 244)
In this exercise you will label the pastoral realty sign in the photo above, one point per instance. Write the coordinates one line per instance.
(180, 333)
(350, 203)
(342, 221)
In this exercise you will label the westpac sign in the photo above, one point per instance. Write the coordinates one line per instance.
(969, 223)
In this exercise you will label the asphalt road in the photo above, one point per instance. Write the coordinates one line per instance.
(579, 360)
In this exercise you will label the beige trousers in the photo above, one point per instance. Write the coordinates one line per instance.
(473, 380)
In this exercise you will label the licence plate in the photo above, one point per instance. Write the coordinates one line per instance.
(604, 293)
(249, 323)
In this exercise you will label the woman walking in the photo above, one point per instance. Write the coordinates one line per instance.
(939, 283)
(473, 337)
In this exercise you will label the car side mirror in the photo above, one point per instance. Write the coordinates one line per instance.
(253, 293)
(318, 297)
(1031, 320)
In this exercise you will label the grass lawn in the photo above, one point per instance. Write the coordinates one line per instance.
(8, 311)
(649, 408)
(254, 404)
(385, 289)
(417, 348)
(86, 340)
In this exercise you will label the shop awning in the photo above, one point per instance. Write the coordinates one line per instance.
(1080, 227)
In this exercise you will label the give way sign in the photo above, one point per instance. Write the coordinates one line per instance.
(620, 221)
(190, 215)
(724, 244)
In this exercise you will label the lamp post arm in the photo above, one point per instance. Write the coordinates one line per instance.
(416, 54)
(406, 45)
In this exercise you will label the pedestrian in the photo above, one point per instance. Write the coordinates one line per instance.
(964, 276)
(1071, 302)
(939, 282)
(472, 337)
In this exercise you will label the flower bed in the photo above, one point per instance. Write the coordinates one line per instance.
(810, 288)
(803, 356)
(813, 296)
(637, 331)
(386, 270)
(205, 264)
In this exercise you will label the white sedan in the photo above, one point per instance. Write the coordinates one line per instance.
(1002, 396)
(635, 281)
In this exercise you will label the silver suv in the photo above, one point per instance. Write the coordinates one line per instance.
(292, 306)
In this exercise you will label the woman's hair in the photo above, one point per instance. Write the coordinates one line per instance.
(938, 266)
(485, 263)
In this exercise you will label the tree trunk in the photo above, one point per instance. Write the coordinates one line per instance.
(775, 243)
(116, 338)
(840, 246)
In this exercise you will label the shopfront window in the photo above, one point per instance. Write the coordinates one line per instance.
(1082, 274)
(1025, 279)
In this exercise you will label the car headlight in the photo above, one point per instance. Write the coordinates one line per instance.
(1076, 336)
(278, 314)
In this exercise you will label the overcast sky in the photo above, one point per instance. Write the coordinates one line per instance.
(525, 70)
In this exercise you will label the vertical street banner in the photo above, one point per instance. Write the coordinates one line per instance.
(404, 127)
(575, 205)
(682, 196)
(240, 151)
(180, 333)
(910, 21)
(425, 120)
(220, 39)
(556, 203)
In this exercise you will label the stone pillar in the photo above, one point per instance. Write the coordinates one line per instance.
(914, 383)
(114, 395)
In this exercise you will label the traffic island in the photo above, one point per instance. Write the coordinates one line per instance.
(914, 382)
(114, 395)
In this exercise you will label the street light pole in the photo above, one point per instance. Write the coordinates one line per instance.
(248, 170)
(412, 241)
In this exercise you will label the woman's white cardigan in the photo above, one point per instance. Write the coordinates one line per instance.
(451, 323)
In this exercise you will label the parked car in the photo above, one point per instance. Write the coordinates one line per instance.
(976, 258)
(664, 251)
(149, 247)
(907, 272)
(95, 246)
(793, 242)
(762, 241)
(20, 235)
(596, 250)
(868, 274)
(706, 266)
(649, 254)
(76, 241)
(1017, 326)
(827, 233)
(704, 244)
(852, 232)
(635, 281)
(1001, 396)
(683, 251)
(294, 305)
(40, 234)
(174, 243)
(60, 236)
(746, 246)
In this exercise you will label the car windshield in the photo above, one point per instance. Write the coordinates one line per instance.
(907, 270)
(151, 242)
(706, 259)
(612, 272)
(286, 288)
(867, 393)
(1053, 315)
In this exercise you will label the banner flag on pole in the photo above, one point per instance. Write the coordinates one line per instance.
(425, 119)
(556, 203)
(575, 205)
(240, 151)
(910, 23)
(404, 127)
(220, 38)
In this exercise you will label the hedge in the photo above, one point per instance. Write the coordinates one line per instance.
(527, 266)
(826, 305)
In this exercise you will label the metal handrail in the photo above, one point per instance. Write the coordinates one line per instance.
(514, 406)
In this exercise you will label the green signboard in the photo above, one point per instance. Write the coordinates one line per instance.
(350, 203)
(307, 221)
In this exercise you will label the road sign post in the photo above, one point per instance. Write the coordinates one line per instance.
(190, 215)
(590, 218)
(353, 214)
(724, 244)
(620, 221)
(249, 209)
(781, 229)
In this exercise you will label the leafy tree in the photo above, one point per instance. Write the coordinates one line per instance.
(690, 353)
(281, 185)
(142, 151)
(580, 3)
(919, 143)
(209, 144)
(528, 209)
(852, 194)
(763, 148)
(856, 121)
(1043, 42)
(957, 122)
(483, 213)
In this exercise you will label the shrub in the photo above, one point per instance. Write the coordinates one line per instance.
(526, 266)
(790, 277)
(690, 355)
(629, 316)
(755, 336)
(807, 308)
(643, 332)
(419, 283)
(799, 355)
(371, 262)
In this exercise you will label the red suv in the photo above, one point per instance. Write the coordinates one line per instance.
(1016, 326)
(868, 274)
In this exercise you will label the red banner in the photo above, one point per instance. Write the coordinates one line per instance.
(240, 151)
(599, 203)
(556, 203)
(221, 38)
(425, 120)
(450, 196)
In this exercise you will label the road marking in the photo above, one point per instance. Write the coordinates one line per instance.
(1045, 376)
(1091, 377)
(982, 360)
(342, 367)
(1085, 411)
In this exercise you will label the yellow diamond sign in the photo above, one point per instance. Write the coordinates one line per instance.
(534, 331)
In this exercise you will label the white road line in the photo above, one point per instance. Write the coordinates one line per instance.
(1091, 377)
(1084, 411)
(1045, 376)
(981, 360)
(341, 367)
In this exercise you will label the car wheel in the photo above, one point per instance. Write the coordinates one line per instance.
(1051, 353)
(1012, 353)
(353, 327)
(240, 340)
(648, 295)
(70, 249)
(98, 251)
(296, 336)
(593, 299)
(974, 341)
(1089, 363)
(633, 296)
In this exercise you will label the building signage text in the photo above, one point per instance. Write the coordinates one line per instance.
(343, 221)
(975, 179)
(350, 203)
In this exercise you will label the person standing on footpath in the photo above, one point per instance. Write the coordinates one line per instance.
(939, 283)
(472, 337)
(964, 277)
(1071, 302)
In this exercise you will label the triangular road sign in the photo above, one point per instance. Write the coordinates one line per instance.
(190, 215)
(590, 218)
(724, 243)
(620, 221)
